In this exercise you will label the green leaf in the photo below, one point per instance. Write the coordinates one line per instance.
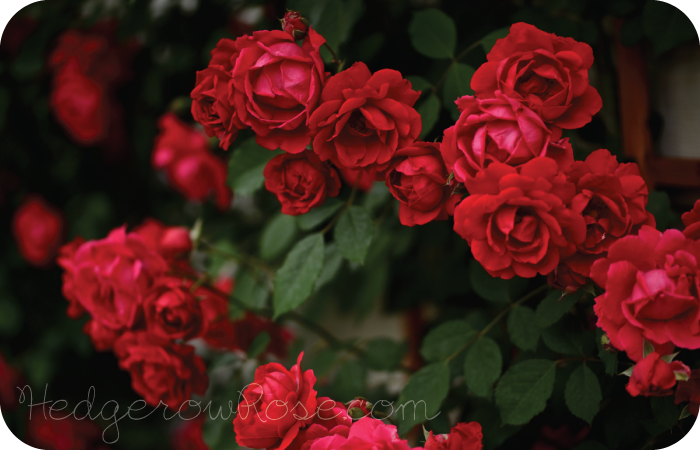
(245, 168)
(659, 204)
(419, 83)
(665, 411)
(564, 337)
(609, 359)
(524, 390)
(522, 328)
(317, 216)
(482, 366)
(429, 111)
(457, 84)
(582, 393)
(250, 290)
(259, 344)
(433, 34)
(323, 361)
(277, 236)
(493, 289)
(554, 306)
(336, 18)
(353, 234)
(488, 41)
(296, 279)
(666, 26)
(384, 354)
(446, 339)
(332, 261)
(422, 397)
(349, 381)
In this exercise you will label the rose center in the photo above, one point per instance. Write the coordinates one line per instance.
(358, 124)
(533, 84)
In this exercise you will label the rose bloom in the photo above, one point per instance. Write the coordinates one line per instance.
(365, 434)
(516, 220)
(546, 72)
(689, 391)
(161, 371)
(497, 129)
(109, 278)
(169, 242)
(212, 96)
(296, 25)
(181, 151)
(691, 220)
(68, 433)
(364, 118)
(651, 282)
(300, 181)
(417, 178)
(463, 436)
(172, 310)
(331, 419)
(38, 230)
(277, 86)
(275, 406)
(9, 380)
(367, 176)
(652, 376)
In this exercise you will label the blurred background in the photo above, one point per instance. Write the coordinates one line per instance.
(647, 69)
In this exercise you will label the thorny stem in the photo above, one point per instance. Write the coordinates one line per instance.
(454, 61)
(495, 321)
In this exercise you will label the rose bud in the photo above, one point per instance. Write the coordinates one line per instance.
(296, 25)
(359, 408)
(463, 436)
(37, 228)
(300, 181)
(417, 178)
(654, 377)
(275, 406)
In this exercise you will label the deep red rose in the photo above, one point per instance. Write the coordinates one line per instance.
(417, 178)
(652, 376)
(68, 433)
(300, 181)
(546, 72)
(173, 311)
(296, 25)
(365, 434)
(331, 419)
(363, 118)
(516, 220)
(181, 151)
(38, 230)
(651, 282)
(161, 371)
(66, 256)
(496, 129)
(463, 436)
(275, 406)
(79, 104)
(691, 220)
(188, 436)
(212, 97)
(102, 336)
(277, 86)
(572, 272)
(109, 278)
(170, 242)
(367, 176)
(9, 380)
(689, 391)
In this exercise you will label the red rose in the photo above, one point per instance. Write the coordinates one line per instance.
(367, 176)
(691, 220)
(572, 272)
(182, 152)
(170, 242)
(652, 376)
(239, 335)
(417, 178)
(66, 256)
(296, 25)
(102, 336)
(161, 371)
(463, 436)
(365, 434)
(37, 228)
(109, 278)
(300, 181)
(173, 311)
(516, 220)
(496, 129)
(331, 419)
(277, 86)
(212, 97)
(275, 406)
(651, 282)
(9, 380)
(188, 436)
(546, 72)
(363, 118)
(79, 104)
(68, 433)
(689, 391)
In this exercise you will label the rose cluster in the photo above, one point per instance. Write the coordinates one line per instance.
(281, 410)
(145, 302)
